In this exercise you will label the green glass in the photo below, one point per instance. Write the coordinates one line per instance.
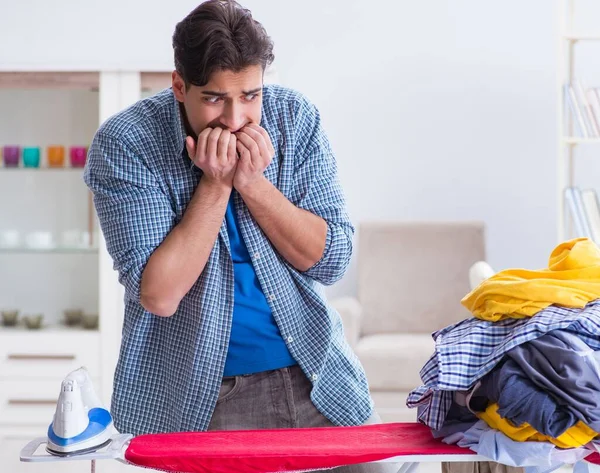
(31, 157)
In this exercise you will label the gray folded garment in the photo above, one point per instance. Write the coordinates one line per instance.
(547, 382)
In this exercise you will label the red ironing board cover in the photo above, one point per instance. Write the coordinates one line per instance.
(260, 451)
(593, 458)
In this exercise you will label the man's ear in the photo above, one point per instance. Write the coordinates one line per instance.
(178, 85)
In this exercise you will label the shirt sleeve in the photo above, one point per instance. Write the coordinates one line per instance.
(318, 190)
(135, 215)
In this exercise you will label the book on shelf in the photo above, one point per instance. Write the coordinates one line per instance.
(584, 208)
(583, 103)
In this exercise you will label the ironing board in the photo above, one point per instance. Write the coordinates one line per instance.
(265, 451)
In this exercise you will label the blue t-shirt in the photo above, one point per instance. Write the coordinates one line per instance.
(256, 344)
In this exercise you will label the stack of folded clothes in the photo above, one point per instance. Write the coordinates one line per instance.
(519, 382)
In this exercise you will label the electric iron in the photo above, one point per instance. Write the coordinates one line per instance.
(81, 424)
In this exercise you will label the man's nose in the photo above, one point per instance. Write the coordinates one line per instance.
(233, 118)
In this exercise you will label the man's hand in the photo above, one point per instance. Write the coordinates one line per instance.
(215, 153)
(255, 152)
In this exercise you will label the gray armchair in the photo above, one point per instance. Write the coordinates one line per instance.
(411, 278)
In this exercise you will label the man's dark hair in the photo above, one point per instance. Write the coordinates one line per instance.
(219, 35)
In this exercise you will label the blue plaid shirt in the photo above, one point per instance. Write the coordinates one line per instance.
(170, 369)
(468, 350)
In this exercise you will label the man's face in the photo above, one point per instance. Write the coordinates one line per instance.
(230, 100)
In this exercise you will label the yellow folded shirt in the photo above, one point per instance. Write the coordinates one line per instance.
(571, 280)
(574, 437)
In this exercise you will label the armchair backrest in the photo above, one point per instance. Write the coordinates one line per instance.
(412, 276)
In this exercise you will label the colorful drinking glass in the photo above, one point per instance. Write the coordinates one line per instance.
(78, 155)
(11, 156)
(31, 157)
(56, 156)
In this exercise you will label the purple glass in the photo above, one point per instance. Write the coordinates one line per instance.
(78, 155)
(11, 156)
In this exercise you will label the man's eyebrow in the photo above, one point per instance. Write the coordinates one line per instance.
(224, 94)
(253, 91)
(216, 94)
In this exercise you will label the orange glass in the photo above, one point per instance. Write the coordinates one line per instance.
(56, 156)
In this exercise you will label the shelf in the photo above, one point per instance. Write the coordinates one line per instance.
(40, 169)
(579, 141)
(50, 327)
(55, 250)
(74, 80)
(581, 37)
(50, 80)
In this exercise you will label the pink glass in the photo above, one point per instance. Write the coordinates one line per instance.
(78, 155)
(11, 156)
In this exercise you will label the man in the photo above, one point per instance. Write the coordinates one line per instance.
(221, 207)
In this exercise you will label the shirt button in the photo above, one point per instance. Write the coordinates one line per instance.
(315, 376)
(290, 339)
(272, 297)
(256, 255)
(240, 212)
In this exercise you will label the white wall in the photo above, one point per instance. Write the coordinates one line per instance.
(437, 109)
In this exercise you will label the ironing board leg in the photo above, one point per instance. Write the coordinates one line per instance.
(410, 467)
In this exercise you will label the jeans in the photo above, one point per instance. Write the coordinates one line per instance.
(274, 400)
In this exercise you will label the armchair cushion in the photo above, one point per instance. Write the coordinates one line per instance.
(392, 361)
(350, 311)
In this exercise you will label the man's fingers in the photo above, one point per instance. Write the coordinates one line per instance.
(265, 136)
(248, 142)
(212, 142)
(223, 145)
(258, 138)
(256, 127)
(202, 142)
(243, 151)
(190, 146)
(232, 148)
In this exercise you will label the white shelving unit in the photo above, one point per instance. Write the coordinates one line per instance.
(39, 109)
(570, 36)
(33, 362)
